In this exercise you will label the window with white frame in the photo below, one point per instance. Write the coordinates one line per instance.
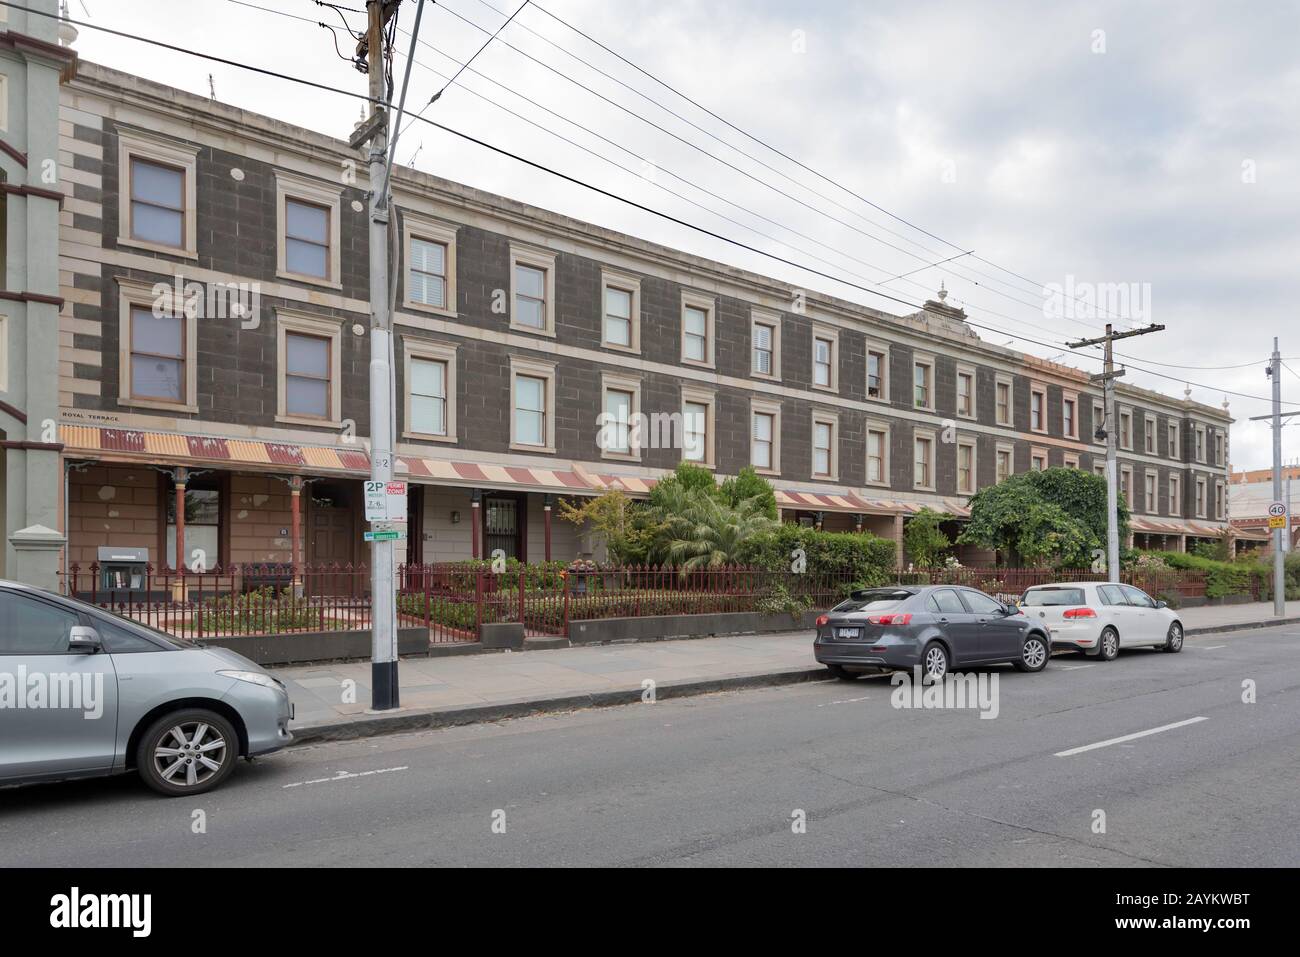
(1174, 452)
(1149, 434)
(532, 291)
(697, 330)
(430, 374)
(310, 368)
(308, 239)
(1038, 408)
(923, 383)
(877, 454)
(825, 371)
(1175, 496)
(621, 304)
(698, 426)
(157, 193)
(1038, 460)
(1005, 462)
(1219, 443)
(765, 436)
(825, 427)
(1070, 416)
(765, 345)
(620, 433)
(923, 461)
(1220, 500)
(430, 257)
(1098, 420)
(966, 392)
(1200, 443)
(1003, 407)
(1126, 429)
(877, 372)
(1071, 460)
(1126, 485)
(532, 419)
(157, 350)
(1149, 493)
(966, 475)
(1200, 497)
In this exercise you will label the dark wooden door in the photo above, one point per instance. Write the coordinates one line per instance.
(331, 536)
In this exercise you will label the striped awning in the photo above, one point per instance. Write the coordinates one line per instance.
(1155, 526)
(133, 445)
(196, 450)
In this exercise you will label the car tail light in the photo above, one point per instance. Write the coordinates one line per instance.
(822, 619)
(890, 619)
(1072, 613)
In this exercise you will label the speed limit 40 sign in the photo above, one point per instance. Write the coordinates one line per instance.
(1277, 515)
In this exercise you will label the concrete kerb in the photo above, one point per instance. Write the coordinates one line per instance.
(433, 718)
(1240, 626)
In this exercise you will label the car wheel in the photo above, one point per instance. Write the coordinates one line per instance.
(1108, 649)
(187, 752)
(1033, 654)
(839, 671)
(934, 662)
(1174, 640)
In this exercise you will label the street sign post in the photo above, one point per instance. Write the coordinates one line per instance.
(1277, 517)
(385, 501)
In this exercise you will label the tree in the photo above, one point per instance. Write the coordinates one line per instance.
(698, 530)
(925, 542)
(748, 484)
(688, 477)
(1055, 516)
(625, 525)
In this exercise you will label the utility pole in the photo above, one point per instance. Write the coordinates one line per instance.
(1279, 568)
(1109, 431)
(383, 597)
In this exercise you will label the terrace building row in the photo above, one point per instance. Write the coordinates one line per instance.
(213, 364)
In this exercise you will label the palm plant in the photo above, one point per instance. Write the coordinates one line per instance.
(699, 531)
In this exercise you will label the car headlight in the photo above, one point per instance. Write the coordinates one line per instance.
(254, 677)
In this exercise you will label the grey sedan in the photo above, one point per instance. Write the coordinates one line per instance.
(84, 693)
(938, 627)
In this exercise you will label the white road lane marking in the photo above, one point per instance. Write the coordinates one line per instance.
(1073, 667)
(1129, 737)
(1209, 647)
(346, 776)
(843, 701)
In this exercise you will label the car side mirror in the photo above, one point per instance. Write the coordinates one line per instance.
(1162, 604)
(85, 640)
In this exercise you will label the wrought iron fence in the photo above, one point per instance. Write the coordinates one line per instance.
(455, 600)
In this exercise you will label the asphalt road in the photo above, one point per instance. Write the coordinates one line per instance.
(718, 780)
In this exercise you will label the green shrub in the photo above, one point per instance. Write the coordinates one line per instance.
(1221, 578)
(864, 558)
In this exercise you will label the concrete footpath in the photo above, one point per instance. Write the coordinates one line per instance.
(330, 700)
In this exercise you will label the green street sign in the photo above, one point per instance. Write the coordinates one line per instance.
(384, 536)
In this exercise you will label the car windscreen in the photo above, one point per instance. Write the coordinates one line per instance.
(875, 599)
(1050, 597)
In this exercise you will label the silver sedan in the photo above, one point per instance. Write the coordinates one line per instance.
(84, 693)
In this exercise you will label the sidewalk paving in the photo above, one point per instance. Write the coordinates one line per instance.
(436, 692)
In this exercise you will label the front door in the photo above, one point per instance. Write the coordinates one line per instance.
(503, 526)
(58, 710)
(331, 536)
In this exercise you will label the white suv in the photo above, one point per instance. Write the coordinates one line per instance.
(1097, 617)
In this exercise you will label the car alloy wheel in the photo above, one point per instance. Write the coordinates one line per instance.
(1109, 645)
(936, 663)
(1174, 642)
(190, 753)
(1034, 654)
(187, 752)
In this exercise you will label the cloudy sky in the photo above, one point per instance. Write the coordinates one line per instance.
(1150, 148)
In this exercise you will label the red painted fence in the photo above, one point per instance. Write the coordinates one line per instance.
(454, 600)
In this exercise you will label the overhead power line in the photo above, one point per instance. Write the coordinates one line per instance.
(581, 183)
(1038, 286)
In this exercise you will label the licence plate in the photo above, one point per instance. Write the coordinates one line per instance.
(848, 632)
